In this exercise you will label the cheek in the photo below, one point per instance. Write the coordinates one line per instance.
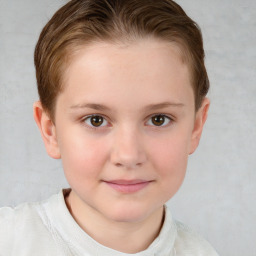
(83, 157)
(170, 160)
(169, 157)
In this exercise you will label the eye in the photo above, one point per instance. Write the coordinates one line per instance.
(159, 120)
(95, 121)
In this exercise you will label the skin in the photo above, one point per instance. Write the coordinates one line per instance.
(134, 83)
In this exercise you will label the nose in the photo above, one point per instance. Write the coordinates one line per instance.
(128, 151)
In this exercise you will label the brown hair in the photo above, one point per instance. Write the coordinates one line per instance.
(81, 22)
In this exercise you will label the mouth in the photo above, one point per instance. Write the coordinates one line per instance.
(128, 186)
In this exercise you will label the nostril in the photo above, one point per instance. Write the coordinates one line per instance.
(127, 152)
(128, 165)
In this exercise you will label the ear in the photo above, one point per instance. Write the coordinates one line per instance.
(200, 119)
(47, 130)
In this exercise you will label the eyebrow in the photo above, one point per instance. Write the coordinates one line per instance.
(91, 106)
(163, 105)
(101, 107)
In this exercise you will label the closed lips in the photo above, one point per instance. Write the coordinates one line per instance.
(128, 186)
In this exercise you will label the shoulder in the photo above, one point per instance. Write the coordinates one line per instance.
(189, 243)
(22, 216)
(15, 224)
(14, 218)
(19, 220)
(10, 214)
(22, 229)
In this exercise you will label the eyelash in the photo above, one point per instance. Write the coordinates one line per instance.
(170, 120)
(91, 126)
(163, 116)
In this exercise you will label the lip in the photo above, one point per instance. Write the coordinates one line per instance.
(128, 186)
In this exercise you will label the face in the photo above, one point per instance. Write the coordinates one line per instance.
(125, 126)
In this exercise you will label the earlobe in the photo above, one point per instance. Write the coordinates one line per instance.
(47, 130)
(200, 120)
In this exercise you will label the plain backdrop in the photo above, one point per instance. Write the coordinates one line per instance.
(218, 196)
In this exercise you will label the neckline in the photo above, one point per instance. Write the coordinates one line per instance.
(79, 242)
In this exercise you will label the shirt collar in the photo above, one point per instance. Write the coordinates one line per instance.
(78, 242)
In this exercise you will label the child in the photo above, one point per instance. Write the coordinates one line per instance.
(122, 87)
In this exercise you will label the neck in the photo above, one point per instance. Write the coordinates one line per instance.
(126, 237)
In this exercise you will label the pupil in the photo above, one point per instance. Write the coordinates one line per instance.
(158, 120)
(97, 120)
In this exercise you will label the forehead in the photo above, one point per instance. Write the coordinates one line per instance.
(149, 68)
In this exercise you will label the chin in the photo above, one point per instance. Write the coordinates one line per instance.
(128, 213)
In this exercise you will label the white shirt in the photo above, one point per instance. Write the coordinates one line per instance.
(48, 229)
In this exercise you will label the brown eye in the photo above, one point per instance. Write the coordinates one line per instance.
(159, 120)
(95, 121)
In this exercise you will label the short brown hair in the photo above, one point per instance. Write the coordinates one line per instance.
(80, 22)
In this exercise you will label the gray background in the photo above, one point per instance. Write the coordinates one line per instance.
(218, 196)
